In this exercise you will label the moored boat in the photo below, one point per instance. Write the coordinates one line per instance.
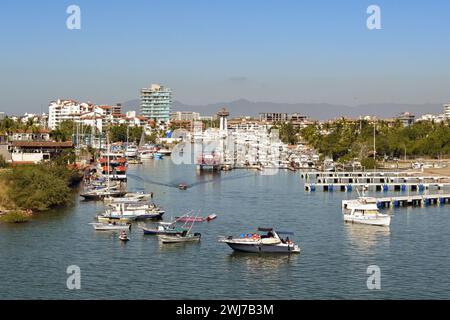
(364, 210)
(113, 226)
(270, 242)
(123, 236)
(186, 236)
(164, 228)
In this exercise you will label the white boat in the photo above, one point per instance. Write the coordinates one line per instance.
(270, 242)
(134, 210)
(165, 152)
(180, 238)
(110, 226)
(130, 198)
(131, 151)
(364, 210)
(146, 154)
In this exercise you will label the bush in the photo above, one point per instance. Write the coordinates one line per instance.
(40, 187)
(15, 217)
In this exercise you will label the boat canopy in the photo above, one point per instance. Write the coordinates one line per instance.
(286, 232)
(265, 229)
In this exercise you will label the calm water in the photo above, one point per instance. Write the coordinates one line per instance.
(413, 255)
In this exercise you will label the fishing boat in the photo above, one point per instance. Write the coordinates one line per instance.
(364, 210)
(184, 237)
(112, 226)
(123, 236)
(268, 242)
(164, 228)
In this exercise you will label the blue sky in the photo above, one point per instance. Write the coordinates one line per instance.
(212, 51)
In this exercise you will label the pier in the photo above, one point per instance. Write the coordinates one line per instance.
(409, 201)
(356, 174)
(384, 187)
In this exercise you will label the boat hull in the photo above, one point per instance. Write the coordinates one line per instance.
(262, 248)
(178, 239)
(378, 221)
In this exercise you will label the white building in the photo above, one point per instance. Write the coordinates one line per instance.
(84, 113)
(447, 111)
(156, 102)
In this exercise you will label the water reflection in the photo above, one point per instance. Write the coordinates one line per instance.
(367, 237)
(266, 263)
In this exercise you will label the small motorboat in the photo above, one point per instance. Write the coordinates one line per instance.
(182, 186)
(269, 242)
(111, 226)
(180, 238)
(211, 217)
(364, 210)
(123, 236)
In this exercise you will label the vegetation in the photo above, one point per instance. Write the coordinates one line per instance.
(15, 216)
(35, 188)
(343, 140)
(288, 134)
(119, 133)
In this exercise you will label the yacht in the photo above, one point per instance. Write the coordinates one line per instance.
(364, 210)
(268, 242)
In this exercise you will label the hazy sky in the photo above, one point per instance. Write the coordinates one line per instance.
(219, 50)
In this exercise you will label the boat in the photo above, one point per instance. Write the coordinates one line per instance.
(269, 242)
(146, 154)
(164, 228)
(184, 237)
(211, 217)
(131, 209)
(123, 236)
(112, 226)
(165, 152)
(130, 198)
(135, 161)
(182, 186)
(158, 156)
(100, 194)
(364, 210)
(131, 151)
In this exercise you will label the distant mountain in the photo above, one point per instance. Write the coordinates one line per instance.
(320, 111)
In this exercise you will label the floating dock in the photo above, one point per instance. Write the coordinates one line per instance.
(409, 201)
(341, 174)
(384, 187)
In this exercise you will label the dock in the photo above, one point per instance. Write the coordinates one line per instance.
(409, 201)
(384, 187)
(308, 175)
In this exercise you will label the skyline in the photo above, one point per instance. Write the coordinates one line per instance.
(308, 52)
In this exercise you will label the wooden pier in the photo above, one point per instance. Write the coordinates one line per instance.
(409, 201)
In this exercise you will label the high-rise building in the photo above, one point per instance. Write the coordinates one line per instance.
(156, 102)
(447, 111)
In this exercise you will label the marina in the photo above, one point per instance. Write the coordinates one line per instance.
(331, 250)
(379, 187)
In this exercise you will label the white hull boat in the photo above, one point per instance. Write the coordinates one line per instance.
(180, 238)
(111, 226)
(364, 210)
(255, 243)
